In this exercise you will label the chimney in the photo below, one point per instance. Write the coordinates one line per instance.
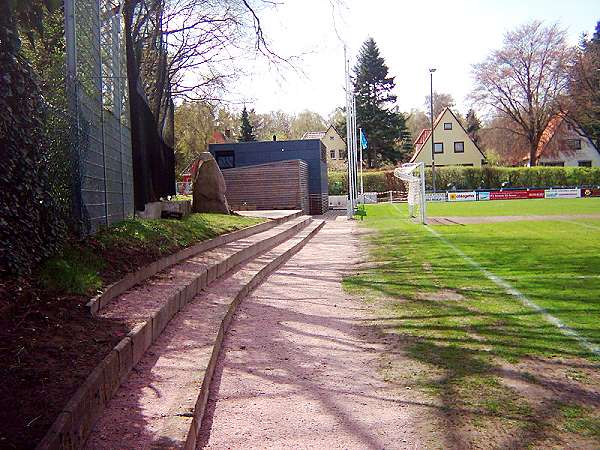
(228, 133)
(274, 137)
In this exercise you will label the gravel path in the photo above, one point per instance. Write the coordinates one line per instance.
(301, 367)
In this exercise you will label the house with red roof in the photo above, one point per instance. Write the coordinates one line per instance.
(563, 143)
(452, 145)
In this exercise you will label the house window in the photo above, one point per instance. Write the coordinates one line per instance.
(332, 154)
(331, 138)
(438, 147)
(225, 159)
(447, 125)
(584, 163)
(553, 163)
(574, 144)
(459, 147)
(342, 154)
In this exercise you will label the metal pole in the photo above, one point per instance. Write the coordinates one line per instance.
(423, 201)
(350, 209)
(354, 133)
(362, 188)
(432, 140)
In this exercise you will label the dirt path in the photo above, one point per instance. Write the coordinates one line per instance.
(301, 366)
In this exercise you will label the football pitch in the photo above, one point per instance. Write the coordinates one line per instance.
(470, 302)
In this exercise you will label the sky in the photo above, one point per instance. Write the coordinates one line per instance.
(412, 37)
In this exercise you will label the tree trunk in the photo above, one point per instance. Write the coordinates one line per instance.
(533, 154)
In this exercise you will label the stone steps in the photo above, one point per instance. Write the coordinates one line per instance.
(149, 307)
(162, 403)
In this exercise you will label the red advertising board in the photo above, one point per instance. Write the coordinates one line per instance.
(514, 195)
(590, 192)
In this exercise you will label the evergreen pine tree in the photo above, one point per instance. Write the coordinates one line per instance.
(473, 126)
(389, 140)
(246, 128)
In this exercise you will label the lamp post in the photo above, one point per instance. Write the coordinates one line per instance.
(432, 142)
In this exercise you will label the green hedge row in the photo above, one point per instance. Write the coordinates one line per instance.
(468, 178)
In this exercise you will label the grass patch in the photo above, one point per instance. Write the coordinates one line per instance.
(542, 207)
(580, 420)
(461, 327)
(84, 267)
(74, 271)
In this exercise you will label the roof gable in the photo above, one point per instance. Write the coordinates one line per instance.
(554, 126)
(425, 135)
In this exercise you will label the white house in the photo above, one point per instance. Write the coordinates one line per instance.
(452, 145)
(564, 144)
(337, 152)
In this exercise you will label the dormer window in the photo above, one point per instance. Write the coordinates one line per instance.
(447, 125)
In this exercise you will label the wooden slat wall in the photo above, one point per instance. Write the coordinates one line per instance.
(319, 203)
(277, 185)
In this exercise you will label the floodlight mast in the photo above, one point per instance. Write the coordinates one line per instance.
(350, 138)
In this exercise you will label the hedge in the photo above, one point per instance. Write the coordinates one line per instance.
(470, 178)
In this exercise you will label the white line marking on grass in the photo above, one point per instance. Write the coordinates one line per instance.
(566, 330)
(582, 224)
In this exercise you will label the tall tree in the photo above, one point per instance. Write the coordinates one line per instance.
(274, 123)
(441, 100)
(417, 120)
(246, 128)
(375, 107)
(473, 125)
(194, 125)
(306, 121)
(583, 103)
(525, 79)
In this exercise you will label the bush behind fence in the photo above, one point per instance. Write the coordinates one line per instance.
(470, 178)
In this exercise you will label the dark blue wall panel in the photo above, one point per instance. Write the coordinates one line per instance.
(308, 150)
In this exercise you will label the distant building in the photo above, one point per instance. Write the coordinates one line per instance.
(337, 151)
(311, 151)
(217, 137)
(452, 145)
(565, 144)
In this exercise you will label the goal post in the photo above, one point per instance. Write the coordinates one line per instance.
(413, 176)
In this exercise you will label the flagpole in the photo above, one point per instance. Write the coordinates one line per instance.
(362, 190)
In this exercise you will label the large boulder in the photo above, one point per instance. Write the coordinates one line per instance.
(209, 187)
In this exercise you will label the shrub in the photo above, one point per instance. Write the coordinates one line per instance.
(468, 178)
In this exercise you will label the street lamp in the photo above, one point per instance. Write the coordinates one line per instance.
(432, 143)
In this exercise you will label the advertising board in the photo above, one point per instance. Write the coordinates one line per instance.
(462, 196)
(435, 196)
(562, 193)
(517, 194)
(588, 192)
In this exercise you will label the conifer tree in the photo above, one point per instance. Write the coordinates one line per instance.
(246, 128)
(389, 140)
(473, 125)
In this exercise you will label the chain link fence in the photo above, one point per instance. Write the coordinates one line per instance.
(98, 106)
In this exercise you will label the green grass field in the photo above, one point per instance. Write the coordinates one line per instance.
(434, 293)
(515, 207)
